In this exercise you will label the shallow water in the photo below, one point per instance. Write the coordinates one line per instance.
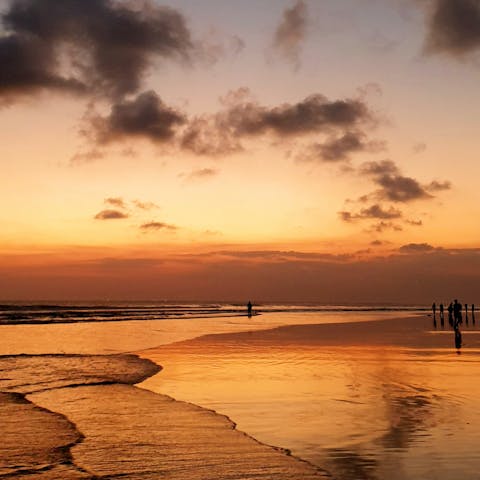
(363, 412)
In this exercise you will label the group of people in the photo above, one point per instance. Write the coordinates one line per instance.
(455, 315)
(455, 318)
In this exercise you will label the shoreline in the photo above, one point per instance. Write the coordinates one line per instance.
(120, 376)
(76, 458)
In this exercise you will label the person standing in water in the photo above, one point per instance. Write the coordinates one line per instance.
(249, 309)
(441, 315)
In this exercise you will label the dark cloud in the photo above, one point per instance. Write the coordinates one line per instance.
(394, 186)
(312, 115)
(155, 226)
(242, 117)
(143, 116)
(291, 32)
(454, 27)
(101, 46)
(373, 212)
(28, 64)
(117, 202)
(384, 167)
(416, 248)
(110, 214)
(377, 243)
(398, 188)
(340, 148)
(413, 277)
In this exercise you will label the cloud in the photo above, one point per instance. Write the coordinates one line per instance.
(86, 157)
(436, 186)
(413, 277)
(143, 116)
(242, 117)
(312, 115)
(373, 212)
(117, 202)
(201, 173)
(290, 34)
(110, 214)
(454, 27)
(100, 46)
(416, 248)
(155, 226)
(398, 188)
(28, 64)
(414, 223)
(339, 149)
(384, 167)
(206, 136)
(145, 205)
(380, 227)
(376, 211)
(394, 186)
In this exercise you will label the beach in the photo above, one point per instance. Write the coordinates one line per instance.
(333, 397)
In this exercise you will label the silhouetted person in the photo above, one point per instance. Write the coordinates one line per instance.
(450, 314)
(458, 338)
(249, 309)
(434, 309)
(457, 313)
(473, 313)
(466, 314)
(441, 315)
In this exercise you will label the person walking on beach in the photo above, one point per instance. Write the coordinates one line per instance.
(249, 309)
(473, 313)
(441, 315)
(434, 309)
(466, 313)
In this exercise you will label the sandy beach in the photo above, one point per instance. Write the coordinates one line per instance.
(72, 416)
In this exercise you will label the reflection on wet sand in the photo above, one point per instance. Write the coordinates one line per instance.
(397, 404)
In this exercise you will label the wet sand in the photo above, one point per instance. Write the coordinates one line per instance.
(366, 401)
(79, 416)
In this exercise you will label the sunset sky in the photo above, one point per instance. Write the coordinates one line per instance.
(275, 150)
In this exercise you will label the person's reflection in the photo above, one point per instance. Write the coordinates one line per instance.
(458, 338)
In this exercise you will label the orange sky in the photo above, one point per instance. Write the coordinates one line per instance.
(136, 148)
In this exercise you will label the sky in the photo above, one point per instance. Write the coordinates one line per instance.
(271, 150)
